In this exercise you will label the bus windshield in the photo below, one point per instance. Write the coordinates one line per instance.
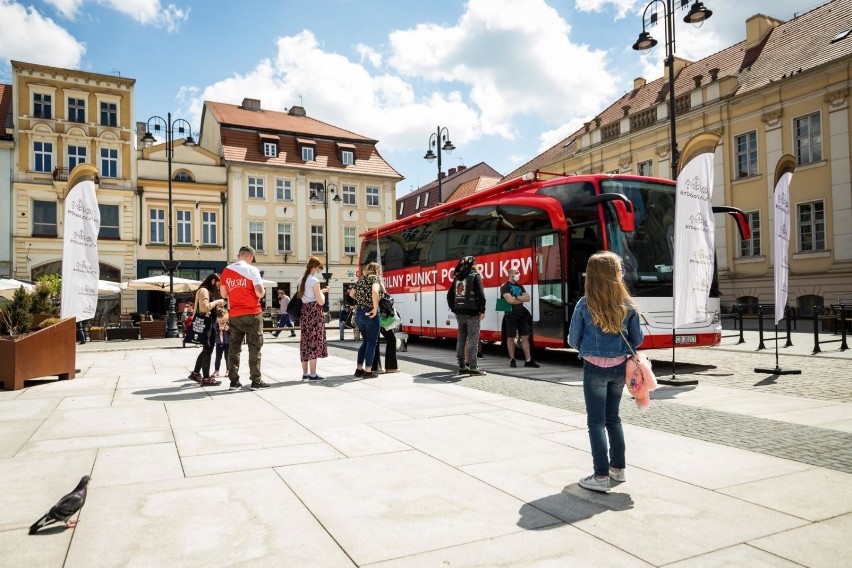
(647, 251)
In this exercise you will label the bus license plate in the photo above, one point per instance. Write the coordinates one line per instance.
(685, 339)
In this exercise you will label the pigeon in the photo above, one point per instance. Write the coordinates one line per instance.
(66, 508)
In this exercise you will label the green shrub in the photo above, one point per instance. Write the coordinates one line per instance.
(16, 316)
(43, 301)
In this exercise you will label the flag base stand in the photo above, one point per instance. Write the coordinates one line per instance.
(674, 381)
(778, 370)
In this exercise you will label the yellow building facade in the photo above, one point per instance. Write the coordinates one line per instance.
(783, 90)
(61, 118)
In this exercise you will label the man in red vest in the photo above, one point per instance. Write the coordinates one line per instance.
(242, 286)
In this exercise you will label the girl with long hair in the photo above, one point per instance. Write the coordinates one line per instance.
(367, 290)
(312, 343)
(605, 321)
(205, 305)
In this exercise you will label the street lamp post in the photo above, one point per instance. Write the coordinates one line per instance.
(322, 195)
(696, 16)
(435, 140)
(169, 128)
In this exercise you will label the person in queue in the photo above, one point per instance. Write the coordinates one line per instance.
(312, 342)
(518, 320)
(367, 291)
(605, 330)
(206, 306)
(242, 285)
(466, 299)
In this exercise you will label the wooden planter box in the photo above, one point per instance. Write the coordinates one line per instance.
(153, 329)
(97, 334)
(46, 352)
(113, 333)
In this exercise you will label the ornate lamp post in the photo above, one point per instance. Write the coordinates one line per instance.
(696, 16)
(441, 135)
(169, 128)
(322, 196)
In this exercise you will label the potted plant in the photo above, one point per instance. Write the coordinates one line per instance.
(97, 333)
(29, 354)
(45, 299)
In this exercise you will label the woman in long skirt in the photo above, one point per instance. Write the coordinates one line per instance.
(312, 343)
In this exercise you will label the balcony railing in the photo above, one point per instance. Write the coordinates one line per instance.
(60, 174)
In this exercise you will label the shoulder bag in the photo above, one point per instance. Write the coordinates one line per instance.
(201, 329)
(294, 308)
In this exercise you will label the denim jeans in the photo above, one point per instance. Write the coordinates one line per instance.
(467, 343)
(602, 389)
(369, 328)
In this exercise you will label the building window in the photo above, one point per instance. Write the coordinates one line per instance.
(43, 156)
(42, 105)
(285, 237)
(808, 142)
(270, 149)
(109, 222)
(372, 197)
(350, 240)
(76, 110)
(811, 226)
(347, 157)
(256, 189)
(44, 219)
(316, 189)
(183, 175)
(208, 228)
(751, 247)
(283, 190)
(349, 195)
(401, 207)
(645, 168)
(417, 203)
(158, 226)
(256, 235)
(307, 153)
(746, 148)
(109, 162)
(425, 200)
(184, 227)
(317, 239)
(76, 155)
(109, 114)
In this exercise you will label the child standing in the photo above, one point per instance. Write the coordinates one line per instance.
(604, 322)
(220, 328)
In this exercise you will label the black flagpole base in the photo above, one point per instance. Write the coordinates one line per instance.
(778, 371)
(674, 381)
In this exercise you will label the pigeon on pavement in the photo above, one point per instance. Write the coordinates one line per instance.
(66, 508)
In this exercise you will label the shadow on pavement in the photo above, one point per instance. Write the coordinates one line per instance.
(571, 505)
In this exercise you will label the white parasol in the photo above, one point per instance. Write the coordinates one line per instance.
(107, 288)
(9, 285)
(161, 283)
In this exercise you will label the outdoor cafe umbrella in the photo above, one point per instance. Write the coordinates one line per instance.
(107, 288)
(161, 283)
(9, 285)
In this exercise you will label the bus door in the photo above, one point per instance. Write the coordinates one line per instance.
(548, 297)
(427, 297)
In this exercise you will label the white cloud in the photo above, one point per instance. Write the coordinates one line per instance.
(27, 35)
(622, 7)
(367, 53)
(146, 12)
(550, 137)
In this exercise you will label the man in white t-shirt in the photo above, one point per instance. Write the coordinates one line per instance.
(284, 318)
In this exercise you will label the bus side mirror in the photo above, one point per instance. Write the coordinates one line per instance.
(625, 213)
(739, 216)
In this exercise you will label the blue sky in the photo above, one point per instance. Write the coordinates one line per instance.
(508, 78)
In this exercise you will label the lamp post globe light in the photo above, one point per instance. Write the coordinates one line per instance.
(169, 128)
(696, 16)
(435, 141)
(322, 196)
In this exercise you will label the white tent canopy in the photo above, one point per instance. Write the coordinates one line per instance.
(9, 285)
(161, 283)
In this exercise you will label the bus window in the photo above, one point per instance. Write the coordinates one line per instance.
(519, 226)
(473, 232)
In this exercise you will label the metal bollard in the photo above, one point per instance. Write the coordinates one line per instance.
(816, 331)
(843, 308)
(760, 326)
(787, 318)
(740, 318)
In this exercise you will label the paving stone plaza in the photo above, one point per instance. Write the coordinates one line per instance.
(428, 468)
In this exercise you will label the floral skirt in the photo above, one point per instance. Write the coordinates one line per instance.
(312, 344)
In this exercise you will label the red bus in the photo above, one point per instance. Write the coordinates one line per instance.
(546, 228)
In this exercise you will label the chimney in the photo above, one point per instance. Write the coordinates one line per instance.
(679, 64)
(758, 27)
(141, 128)
(251, 104)
(638, 83)
(462, 167)
(442, 175)
(452, 172)
(297, 111)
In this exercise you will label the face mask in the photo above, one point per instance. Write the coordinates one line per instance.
(516, 277)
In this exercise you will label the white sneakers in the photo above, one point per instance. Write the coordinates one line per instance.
(592, 483)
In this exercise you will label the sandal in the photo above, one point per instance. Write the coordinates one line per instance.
(210, 382)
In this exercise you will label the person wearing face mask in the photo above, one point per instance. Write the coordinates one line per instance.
(518, 319)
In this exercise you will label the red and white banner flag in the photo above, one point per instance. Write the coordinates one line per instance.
(694, 241)
(80, 268)
(782, 243)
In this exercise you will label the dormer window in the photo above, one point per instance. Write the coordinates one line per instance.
(307, 148)
(269, 145)
(346, 153)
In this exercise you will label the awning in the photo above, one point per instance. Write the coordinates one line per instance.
(344, 146)
(269, 137)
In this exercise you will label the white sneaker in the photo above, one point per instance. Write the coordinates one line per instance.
(617, 475)
(594, 484)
